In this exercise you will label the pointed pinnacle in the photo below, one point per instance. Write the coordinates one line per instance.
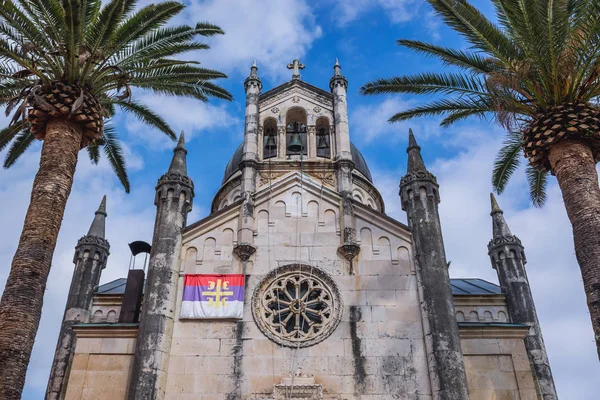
(97, 227)
(415, 161)
(181, 141)
(102, 207)
(178, 163)
(499, 225)
(337, 63)
(412, 142)
(495, 207)
(254, 63)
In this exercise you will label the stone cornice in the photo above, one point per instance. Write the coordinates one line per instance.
(175, 179)
(479, 300)
(106, 330)
(94, 241)
(491, 331)
(418, 176)
(501, 241)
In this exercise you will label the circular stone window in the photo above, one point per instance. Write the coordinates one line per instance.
(297, 305)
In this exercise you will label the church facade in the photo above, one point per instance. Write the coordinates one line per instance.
(298, 285)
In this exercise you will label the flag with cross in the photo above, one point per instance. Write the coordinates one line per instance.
(212, 296)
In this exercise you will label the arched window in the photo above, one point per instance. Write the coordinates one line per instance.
(295, 134)
(269, 138)
(323, 138)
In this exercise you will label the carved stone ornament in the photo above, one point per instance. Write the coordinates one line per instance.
(503, 240)
(417, 176)
(317, 109)
(295, 99)
(349, 250)
(275, 110)
(244, 251)
(297, 305)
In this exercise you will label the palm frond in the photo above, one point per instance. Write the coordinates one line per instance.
(94, 153)
(8, 134)
(114, 154)
(146, 115)
(462, 59)
(443, 106)
(537, 181)
(20, 144)
(428, 83)
(507, 161)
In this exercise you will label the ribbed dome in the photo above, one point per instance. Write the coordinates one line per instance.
(234, 163)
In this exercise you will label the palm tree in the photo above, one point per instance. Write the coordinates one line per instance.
(537, 73)
(65, 66)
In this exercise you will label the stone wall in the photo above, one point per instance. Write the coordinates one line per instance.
(376, 350)
(101, 368)
(498, 368)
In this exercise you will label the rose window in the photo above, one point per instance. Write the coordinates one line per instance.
(297, 305)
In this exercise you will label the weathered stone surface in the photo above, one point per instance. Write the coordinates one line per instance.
(420, 198)
(508, 259)
(90, 258)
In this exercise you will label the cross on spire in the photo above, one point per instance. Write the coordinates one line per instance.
(296, 66)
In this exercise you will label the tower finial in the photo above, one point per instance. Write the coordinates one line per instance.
(296, 65)
(253, 70)
(178, 163)
(495, 206)
(98, 224)
(337, 69)
(415, 161)
(499, 225)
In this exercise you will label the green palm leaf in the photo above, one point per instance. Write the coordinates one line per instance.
(146, 115)
(20, 144)
(537, 181)
(507, 162)
(114, 154)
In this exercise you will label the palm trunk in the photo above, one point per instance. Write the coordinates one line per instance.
(21, 304)
(573, 164)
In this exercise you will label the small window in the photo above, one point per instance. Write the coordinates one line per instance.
(323, 138)
(270, 139)
(296, 138)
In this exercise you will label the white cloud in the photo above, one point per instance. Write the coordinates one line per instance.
(553, 272)
(370, 122)
(272, 31)
(182, 114)
(397, 10)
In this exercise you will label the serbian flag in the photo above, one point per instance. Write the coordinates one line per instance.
(212, 296)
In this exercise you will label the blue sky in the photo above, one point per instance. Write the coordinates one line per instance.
(362, 35)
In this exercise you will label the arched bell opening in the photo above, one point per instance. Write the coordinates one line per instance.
(295, 132)
(323, 138)
(270, 138)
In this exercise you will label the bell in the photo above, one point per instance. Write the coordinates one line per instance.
(270, 143)
(322, 142)
(295, 145)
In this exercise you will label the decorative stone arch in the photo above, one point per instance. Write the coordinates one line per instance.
(268, 138)
(296, 122)
(323, 139)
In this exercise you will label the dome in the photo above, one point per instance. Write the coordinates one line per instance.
(234, 163)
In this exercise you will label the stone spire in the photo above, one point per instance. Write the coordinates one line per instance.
(173, 200)
(415, 161)
(507, 255)
(97, 228)
(499, 225)
(91, 254)
(253, 79)
(178, 163)
(420, 197)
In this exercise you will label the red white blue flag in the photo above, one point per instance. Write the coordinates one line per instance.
(212, 296)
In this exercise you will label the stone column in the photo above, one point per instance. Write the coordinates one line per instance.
(174, 196)
(245, 247)
(311, 141)
(420, 198)
(90, 258)
(343, 163)
(508, 259)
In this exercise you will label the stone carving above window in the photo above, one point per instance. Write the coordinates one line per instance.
(297, 305)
